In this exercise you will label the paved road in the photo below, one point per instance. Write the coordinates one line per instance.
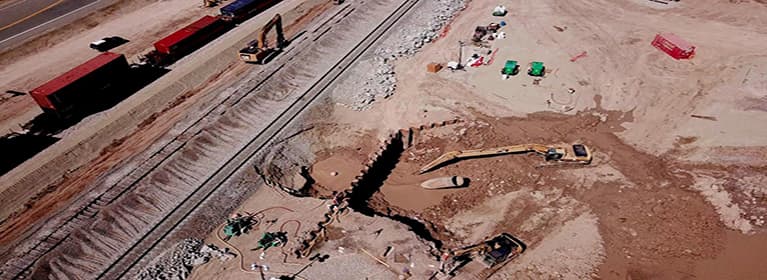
(22, 19)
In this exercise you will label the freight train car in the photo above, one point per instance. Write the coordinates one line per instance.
(81, 85)
(241, 10)
(187, 40)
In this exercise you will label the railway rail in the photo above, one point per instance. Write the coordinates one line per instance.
(22, 267)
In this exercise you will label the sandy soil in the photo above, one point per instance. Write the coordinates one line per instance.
(46, 203)
(666, 191)
(349, 240)
(666, 188)
(55, 53)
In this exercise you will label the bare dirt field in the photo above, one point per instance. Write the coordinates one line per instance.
(676, 189)
(41, 205)
(350, 239)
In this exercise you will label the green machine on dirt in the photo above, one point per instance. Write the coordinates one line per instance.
(536, 69)
(238, 225)
(272, 239)
(511, 68)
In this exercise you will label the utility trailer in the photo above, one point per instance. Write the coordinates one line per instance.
(81, 85)
(187, 40)
(241, 10)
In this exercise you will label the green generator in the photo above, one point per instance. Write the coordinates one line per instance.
(536, 69)
(511, 68)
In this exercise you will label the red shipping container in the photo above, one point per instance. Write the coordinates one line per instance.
(190, 37)
(62, 90)
(674, 46)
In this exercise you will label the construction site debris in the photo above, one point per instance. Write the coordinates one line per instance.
(444, 183)
(222, 254)
(433, 67)
(674, 46)
(710, 118)
(578, 56)
(403, 42)
(453, 65)
(177, 263)
(500, 11)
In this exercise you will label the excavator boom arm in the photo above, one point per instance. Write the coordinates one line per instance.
(449, 156)
(576, 153)
(275, 22)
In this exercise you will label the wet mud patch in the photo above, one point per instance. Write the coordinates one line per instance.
(647, 214)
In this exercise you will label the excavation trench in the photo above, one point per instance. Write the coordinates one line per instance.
(363, 192)
(370, 182)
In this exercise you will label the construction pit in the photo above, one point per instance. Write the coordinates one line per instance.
(647, 207)
(570, 216)
(675, 189)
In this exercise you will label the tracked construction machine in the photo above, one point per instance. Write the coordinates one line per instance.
(238, 225)
(493, 254)
(576, 153)
(258, 51)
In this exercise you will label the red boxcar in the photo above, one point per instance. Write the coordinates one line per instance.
(66, 91)
(674, 46)
(192, 37)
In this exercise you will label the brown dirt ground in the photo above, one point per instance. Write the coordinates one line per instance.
(60, 195)
(651, 160)
(652, 223)
(632, 107)
(348, 238)
(643, 194)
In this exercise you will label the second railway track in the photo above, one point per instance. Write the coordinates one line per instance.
(133, 254)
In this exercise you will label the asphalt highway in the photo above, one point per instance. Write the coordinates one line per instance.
(21, 19)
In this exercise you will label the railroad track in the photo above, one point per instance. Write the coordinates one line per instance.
(20, 267)
(180, 213)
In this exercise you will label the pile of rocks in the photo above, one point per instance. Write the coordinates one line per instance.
(177, 263)
(421, 28)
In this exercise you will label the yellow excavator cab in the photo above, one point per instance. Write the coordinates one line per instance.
(258, 51)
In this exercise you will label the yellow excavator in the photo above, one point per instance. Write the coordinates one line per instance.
(258, 51)
(210, 3)
(493, 253)
(576, 153)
